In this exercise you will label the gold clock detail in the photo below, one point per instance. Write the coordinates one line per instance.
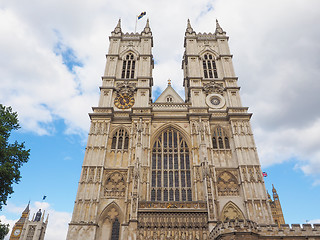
(124, 101)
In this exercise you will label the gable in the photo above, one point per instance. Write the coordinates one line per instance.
(169, 95)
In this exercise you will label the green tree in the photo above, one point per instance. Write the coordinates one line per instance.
(12, 155)
(4, 230)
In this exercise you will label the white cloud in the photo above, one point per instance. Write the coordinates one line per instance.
(57, 223)
(314, 221)
(275, 47)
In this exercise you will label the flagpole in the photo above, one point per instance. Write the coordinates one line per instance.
(135, 28)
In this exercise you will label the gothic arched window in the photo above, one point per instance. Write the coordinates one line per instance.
(115, 230)
(220, 140)
(209, 67)
(170, 163)
(128, 66)
(120, 140)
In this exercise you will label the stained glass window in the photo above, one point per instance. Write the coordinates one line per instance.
(171, 175)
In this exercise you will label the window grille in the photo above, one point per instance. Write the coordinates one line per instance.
(171, 175)
(209, 67)
(128, 66)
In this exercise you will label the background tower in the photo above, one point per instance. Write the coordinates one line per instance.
(25, 229)
(276, 209)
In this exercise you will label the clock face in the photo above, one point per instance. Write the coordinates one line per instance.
(215, 101)
(16, 232)
(124, 101)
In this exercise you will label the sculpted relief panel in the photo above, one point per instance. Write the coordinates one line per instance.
(227, 184)
(115, 185)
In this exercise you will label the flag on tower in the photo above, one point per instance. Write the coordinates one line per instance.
(264, 174)
(141, 15)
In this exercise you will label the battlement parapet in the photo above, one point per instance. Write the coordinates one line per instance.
(263, 230)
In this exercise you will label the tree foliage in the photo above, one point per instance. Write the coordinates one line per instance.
(12, 155)
(4, 230)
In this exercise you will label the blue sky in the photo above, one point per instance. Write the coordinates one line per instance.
(53, 56)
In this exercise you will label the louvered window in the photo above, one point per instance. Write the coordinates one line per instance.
(128, 66)
(209, 67)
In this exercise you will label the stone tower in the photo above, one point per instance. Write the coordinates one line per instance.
(25, 229)
(276, 207)
(169, 169)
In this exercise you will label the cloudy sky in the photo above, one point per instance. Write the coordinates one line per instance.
(52, 57)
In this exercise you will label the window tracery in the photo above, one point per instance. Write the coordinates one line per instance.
(128, 66)
(220, 139)
(171, 176)
(209, 66)
(120, 140)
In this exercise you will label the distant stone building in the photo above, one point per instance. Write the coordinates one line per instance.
(276, 209)
(25, 229)
(173, 168)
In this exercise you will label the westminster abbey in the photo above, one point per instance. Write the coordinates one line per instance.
(174, 168)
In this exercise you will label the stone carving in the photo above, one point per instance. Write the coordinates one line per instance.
(91, 174)
(227, 184)
(241, 127)
(98, 174)
(98, 127)
(244, 174)
(126, 88)
(213, 87)
(251, 174)
(113, 213)
(167, 205)
(115, 185)
(259, 174)
(84, 173)
(231, 211)
(172, 226)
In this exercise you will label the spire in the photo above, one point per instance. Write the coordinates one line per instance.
(269, 197)
(42, 217)
(274, 190)
(47, 219)
(189, 28)
(219, 29)
(147, 28)
(26, 211)
(117, 29)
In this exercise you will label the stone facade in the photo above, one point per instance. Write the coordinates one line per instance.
(169, 169)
